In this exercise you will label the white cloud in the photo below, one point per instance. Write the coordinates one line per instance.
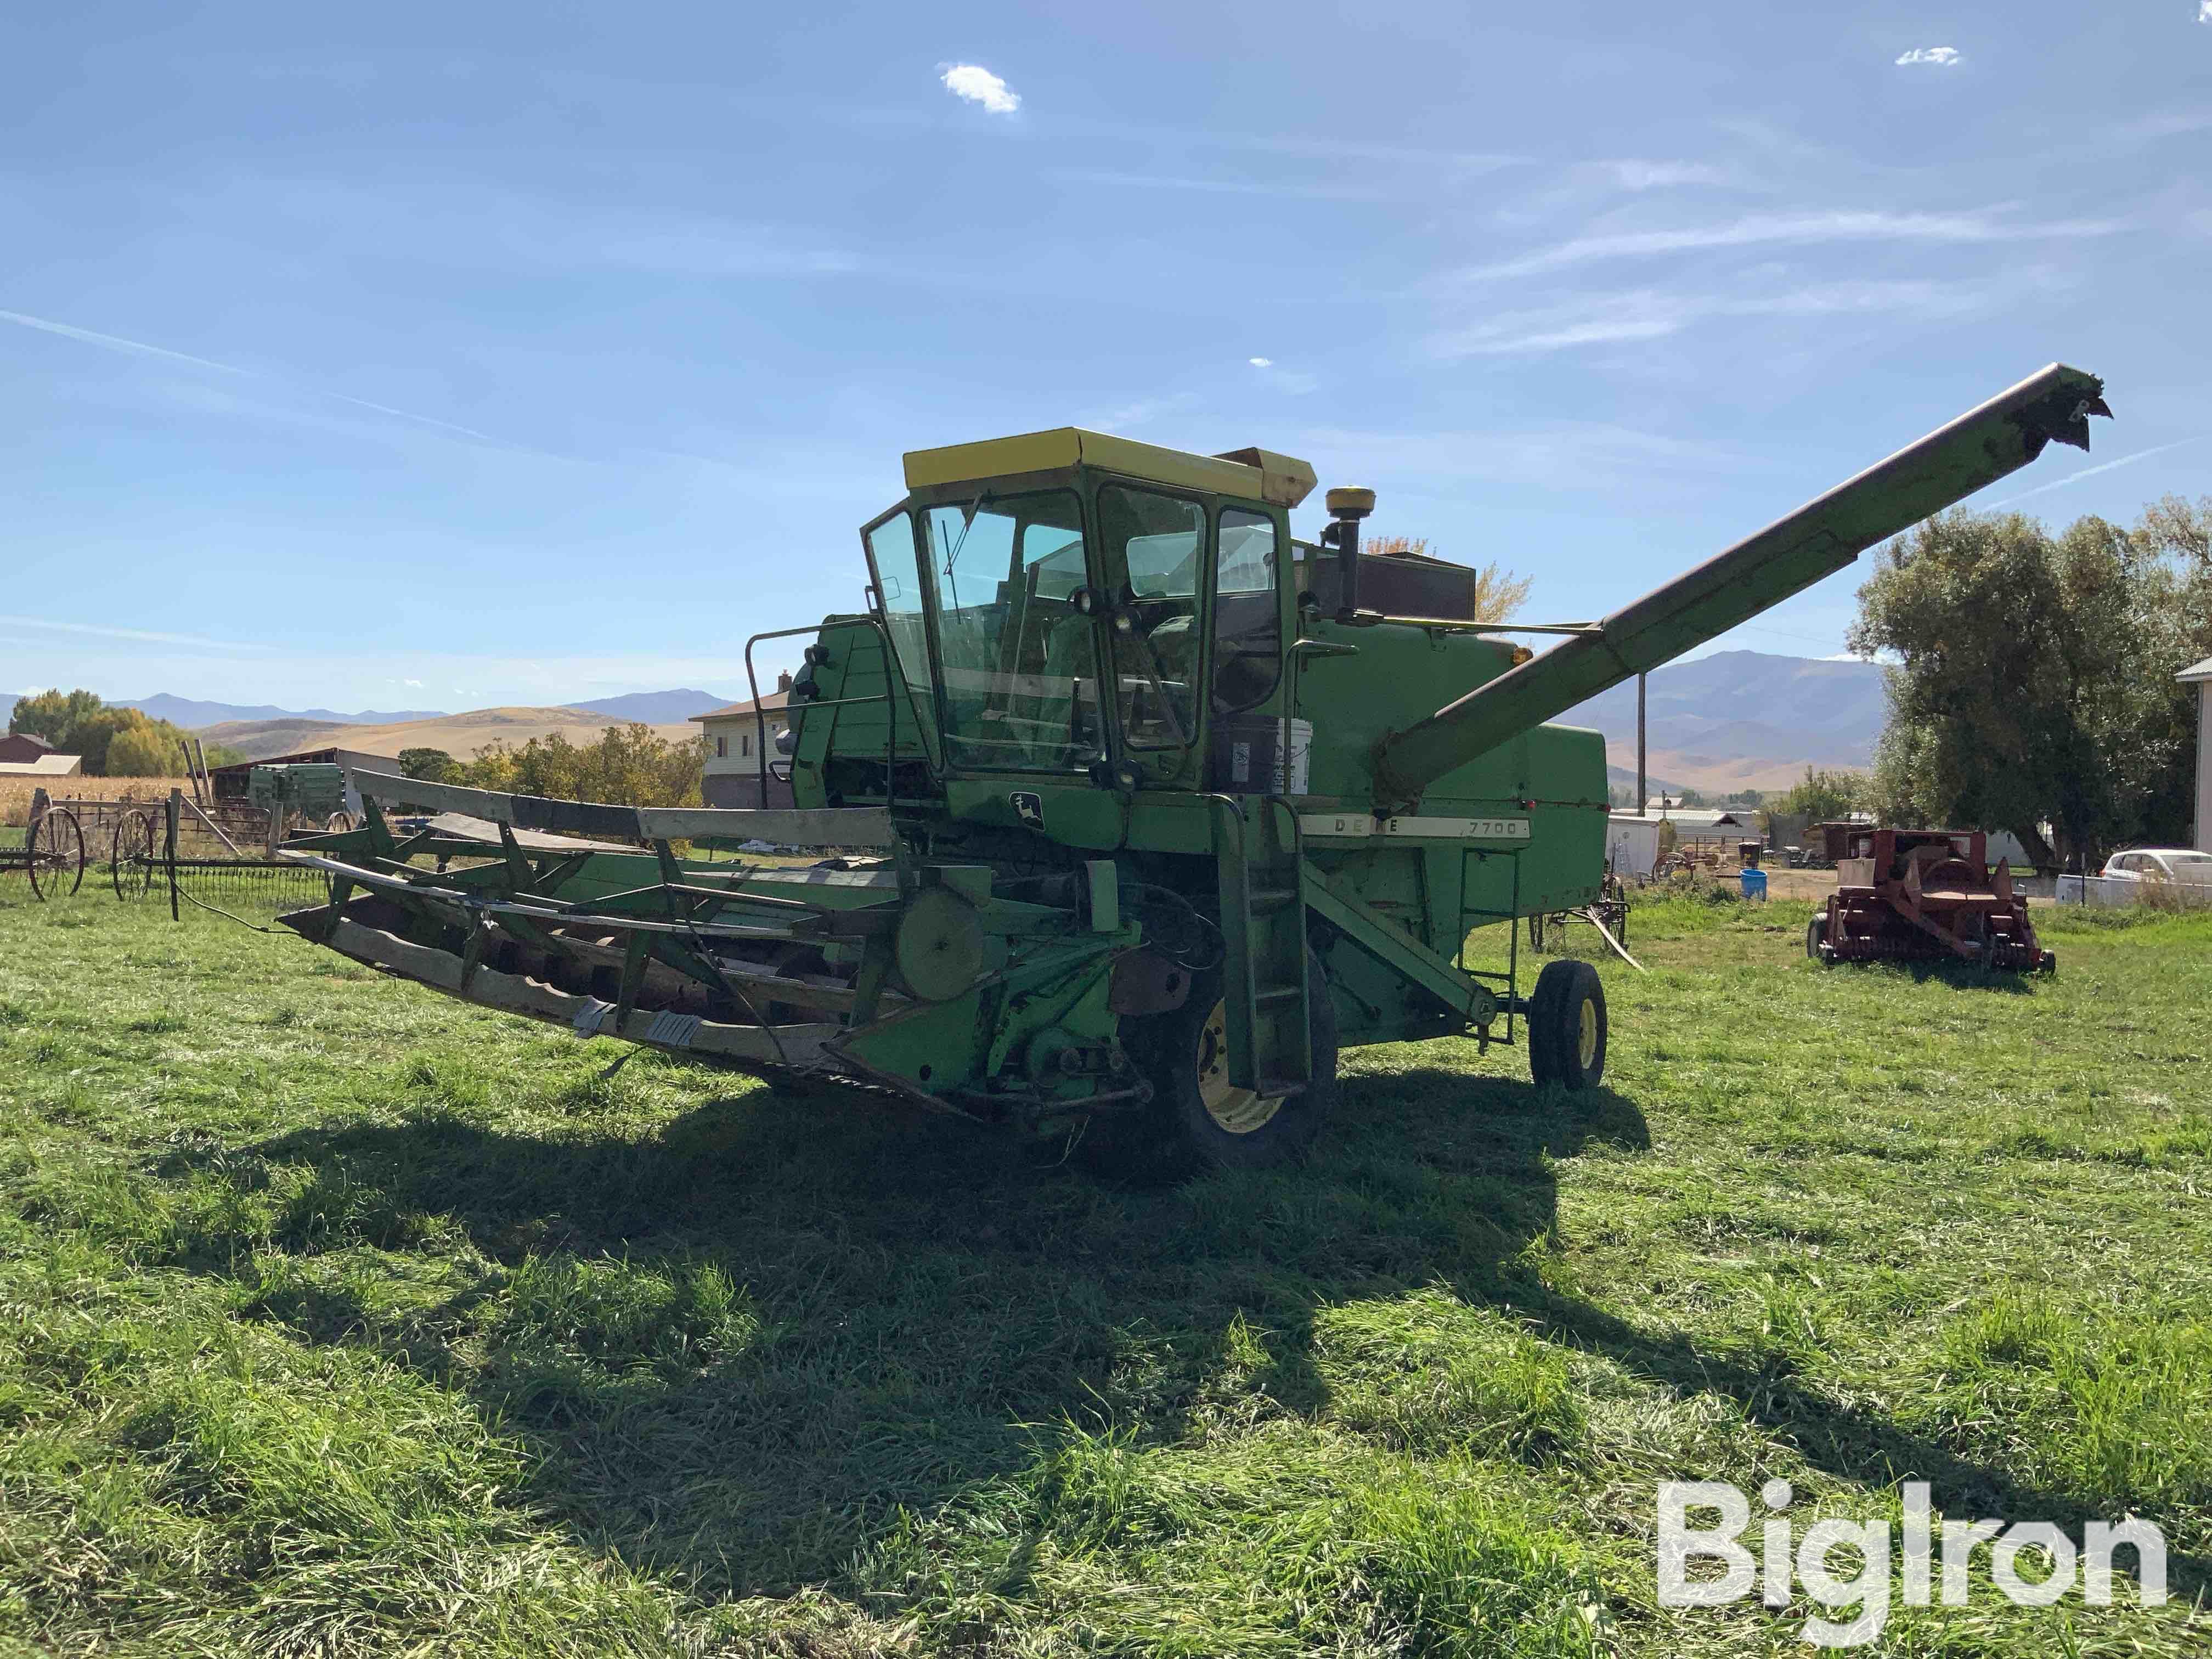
(1946, 55)
(2204, 12)
(1269, 362)
(979, 86)
(417, 684)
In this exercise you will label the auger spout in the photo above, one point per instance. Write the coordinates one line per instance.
(1788, 556)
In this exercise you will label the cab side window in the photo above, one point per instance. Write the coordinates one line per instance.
(1248, 627)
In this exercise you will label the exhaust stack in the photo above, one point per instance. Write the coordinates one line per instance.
(1788, 556)
(1346, 507)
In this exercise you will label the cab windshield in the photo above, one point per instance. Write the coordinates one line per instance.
(1019, 664)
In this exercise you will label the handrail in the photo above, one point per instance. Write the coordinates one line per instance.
(891, 707)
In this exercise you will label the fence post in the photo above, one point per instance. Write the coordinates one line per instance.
(169, 847)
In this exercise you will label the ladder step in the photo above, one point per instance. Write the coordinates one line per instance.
(1274, 996)
(1276, 1088)
(1273, 898)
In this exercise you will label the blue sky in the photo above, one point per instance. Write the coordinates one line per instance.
(442, 356)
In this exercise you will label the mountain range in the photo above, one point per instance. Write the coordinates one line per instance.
(1742, 720)
(653, 707)
(1736, 720)
(191, 713)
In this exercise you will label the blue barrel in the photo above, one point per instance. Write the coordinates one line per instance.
(1754, 883)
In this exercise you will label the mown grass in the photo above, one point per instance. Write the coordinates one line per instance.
(338, 1318)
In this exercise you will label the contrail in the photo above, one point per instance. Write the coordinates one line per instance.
(140, 635)
(116, 343)
(2092, 471)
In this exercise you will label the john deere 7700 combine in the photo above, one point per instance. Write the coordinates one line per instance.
(1145, 809)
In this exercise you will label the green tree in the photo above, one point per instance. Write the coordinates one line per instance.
(54, 715)
(144, 751)
(431, 765)
(115, 742)
(2179, 533)
(1824, 795)
(629, 765)
(2036, 681)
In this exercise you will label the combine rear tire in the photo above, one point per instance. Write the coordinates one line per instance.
(1196, 1120)
(1567, 1026)
(1816, 935)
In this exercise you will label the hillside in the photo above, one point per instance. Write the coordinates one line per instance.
(459, 735)
(1744, 719)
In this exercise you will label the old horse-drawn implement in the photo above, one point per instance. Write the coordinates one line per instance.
(52, 854)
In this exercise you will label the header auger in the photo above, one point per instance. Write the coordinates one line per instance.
(1143, 809)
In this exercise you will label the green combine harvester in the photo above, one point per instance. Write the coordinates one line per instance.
(1129, 810)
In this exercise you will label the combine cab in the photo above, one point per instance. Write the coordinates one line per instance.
(1925, 896)
(1127, 809)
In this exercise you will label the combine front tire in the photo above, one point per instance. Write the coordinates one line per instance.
(1196, 1119)
(1567, 1026)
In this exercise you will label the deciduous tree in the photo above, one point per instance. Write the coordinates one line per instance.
(431, 765)
(2035, 682)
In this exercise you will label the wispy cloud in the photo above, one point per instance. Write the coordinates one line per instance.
(1759, 230)
(1142, 412)
(1664, 175)
(1290, 382)
(97, 631)
(1218, 187)
(2204, 12)
(1559, 455)
(979, 86)
(1652, 314)
(2092, 471)
(1942, 57)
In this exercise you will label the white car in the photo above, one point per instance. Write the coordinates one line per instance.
(2178, 865)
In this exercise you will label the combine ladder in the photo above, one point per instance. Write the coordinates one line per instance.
(1260, 854)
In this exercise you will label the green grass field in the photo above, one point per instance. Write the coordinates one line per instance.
(337, 1318)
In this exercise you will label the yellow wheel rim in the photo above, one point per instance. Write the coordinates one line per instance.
(1239, 1111)
(1586, 1039)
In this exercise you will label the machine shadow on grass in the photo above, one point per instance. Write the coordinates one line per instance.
(1958, 976)
(849, 1312)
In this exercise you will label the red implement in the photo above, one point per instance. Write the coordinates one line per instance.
(1924, 895)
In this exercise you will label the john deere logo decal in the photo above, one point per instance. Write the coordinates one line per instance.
(1029, 807)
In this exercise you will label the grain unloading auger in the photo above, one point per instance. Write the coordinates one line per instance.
(1145, 809)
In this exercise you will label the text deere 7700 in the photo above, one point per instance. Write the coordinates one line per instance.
(1162, 808)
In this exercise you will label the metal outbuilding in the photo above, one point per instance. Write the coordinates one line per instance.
(2200, 674)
